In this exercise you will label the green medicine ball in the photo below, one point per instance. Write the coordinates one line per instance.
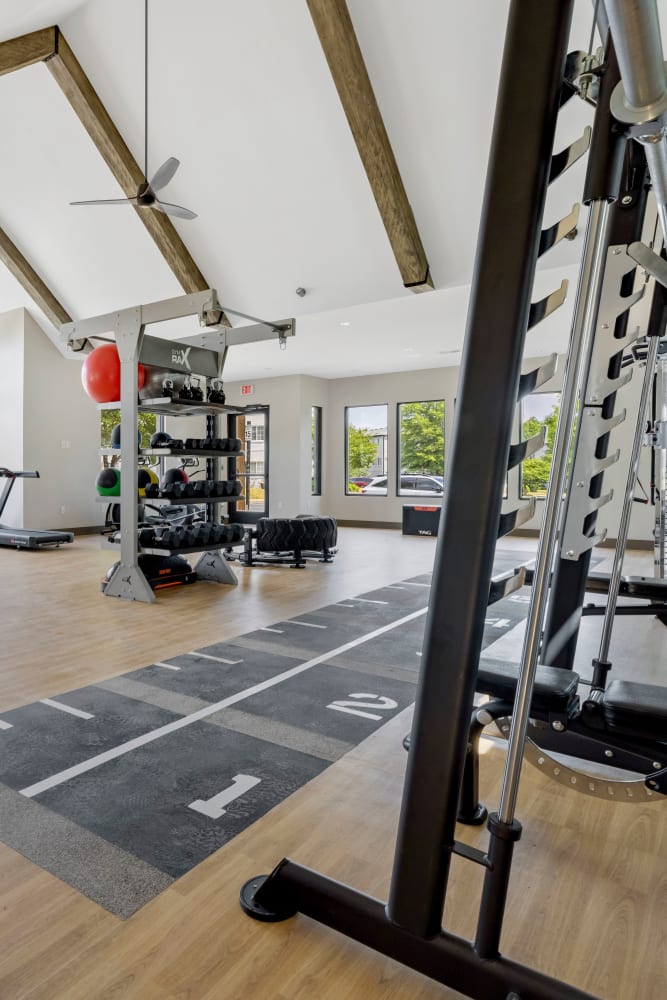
(108, 483)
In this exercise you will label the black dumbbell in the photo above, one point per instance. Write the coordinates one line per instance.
(237, 488)
(174, 491)
(176, 444)
(202, 532)
(152, 490)
(235, 444)
(222, 444)
(218, 534)
(147, 537)
(208, 444)
(218, 488)
(237, 531)
(192, 444)
(166, 539)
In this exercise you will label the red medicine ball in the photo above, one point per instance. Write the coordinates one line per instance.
(100, 374)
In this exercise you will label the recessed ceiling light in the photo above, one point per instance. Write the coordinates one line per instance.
(345, 322)
(409, 350)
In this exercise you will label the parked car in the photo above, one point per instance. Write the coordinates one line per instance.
(360, 480)
(411, 485)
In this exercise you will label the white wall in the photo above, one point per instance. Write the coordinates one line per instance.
(11, 401)
(368, 390)
(42, 405)
(291, 399)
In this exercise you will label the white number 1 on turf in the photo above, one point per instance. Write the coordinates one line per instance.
(353, 707)
(214, 807)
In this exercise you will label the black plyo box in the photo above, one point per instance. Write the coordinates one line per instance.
(420, 520)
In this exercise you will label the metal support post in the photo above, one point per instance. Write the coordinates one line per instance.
(517, 182)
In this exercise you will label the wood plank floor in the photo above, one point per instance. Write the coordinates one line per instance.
(588, 897)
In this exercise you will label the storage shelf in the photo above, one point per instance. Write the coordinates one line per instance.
(180, 502)
(166, 406)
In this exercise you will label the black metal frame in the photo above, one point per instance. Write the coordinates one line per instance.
(316, 420)
(409, 927)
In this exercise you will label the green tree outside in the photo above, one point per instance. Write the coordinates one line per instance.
(535, 471)
(361, 451)
(422, 434)
(147, 423)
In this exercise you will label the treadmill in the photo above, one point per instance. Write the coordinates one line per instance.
(25, 538)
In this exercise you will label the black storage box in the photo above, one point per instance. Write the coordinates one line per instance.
(420, 520)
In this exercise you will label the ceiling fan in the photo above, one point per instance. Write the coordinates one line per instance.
(146, 196)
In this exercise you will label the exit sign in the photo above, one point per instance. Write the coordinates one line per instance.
(247, 390)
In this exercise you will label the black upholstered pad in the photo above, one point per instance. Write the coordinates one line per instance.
(553, 691)
(638, 709)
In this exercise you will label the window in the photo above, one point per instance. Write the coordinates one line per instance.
(421, 448)
(316, 451)
(366, 449)
(147, 424)
(538, 409)
(251, 465)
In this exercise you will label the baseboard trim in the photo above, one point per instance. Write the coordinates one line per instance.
(394, 525)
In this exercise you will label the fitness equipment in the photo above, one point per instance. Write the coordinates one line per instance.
(161, 439)
(147, 478)
(215, 392)
(115, 437)
(408, 926)
(160, 571)
(107, 483)
(289, 541)
(26, 538)
(100, 374)
(175, 475)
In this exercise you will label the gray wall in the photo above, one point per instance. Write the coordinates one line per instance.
(37, 383)
(49, 424)
(291, 398)
(11, 406)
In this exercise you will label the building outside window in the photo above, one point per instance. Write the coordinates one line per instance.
(365, 446)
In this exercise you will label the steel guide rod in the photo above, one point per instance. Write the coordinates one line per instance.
(624, 524)
(585, 319)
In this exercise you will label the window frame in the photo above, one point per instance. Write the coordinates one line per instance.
(316, 451)
(346, 409)
(399, 473)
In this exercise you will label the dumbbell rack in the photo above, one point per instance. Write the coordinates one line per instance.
(203, 354)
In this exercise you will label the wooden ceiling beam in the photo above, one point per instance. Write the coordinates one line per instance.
(77, 88)
(48, 45)
(26, 50)
(25, 274)
(338, 39)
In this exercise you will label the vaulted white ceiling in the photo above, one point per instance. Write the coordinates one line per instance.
(241, 93)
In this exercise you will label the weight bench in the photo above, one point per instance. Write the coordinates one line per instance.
(625, 726)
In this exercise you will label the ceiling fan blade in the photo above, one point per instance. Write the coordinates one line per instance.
(177, 210)
(106, 201)
(164, 173)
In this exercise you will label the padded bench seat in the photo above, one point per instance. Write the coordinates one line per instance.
(637, 709)
(553, 691)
